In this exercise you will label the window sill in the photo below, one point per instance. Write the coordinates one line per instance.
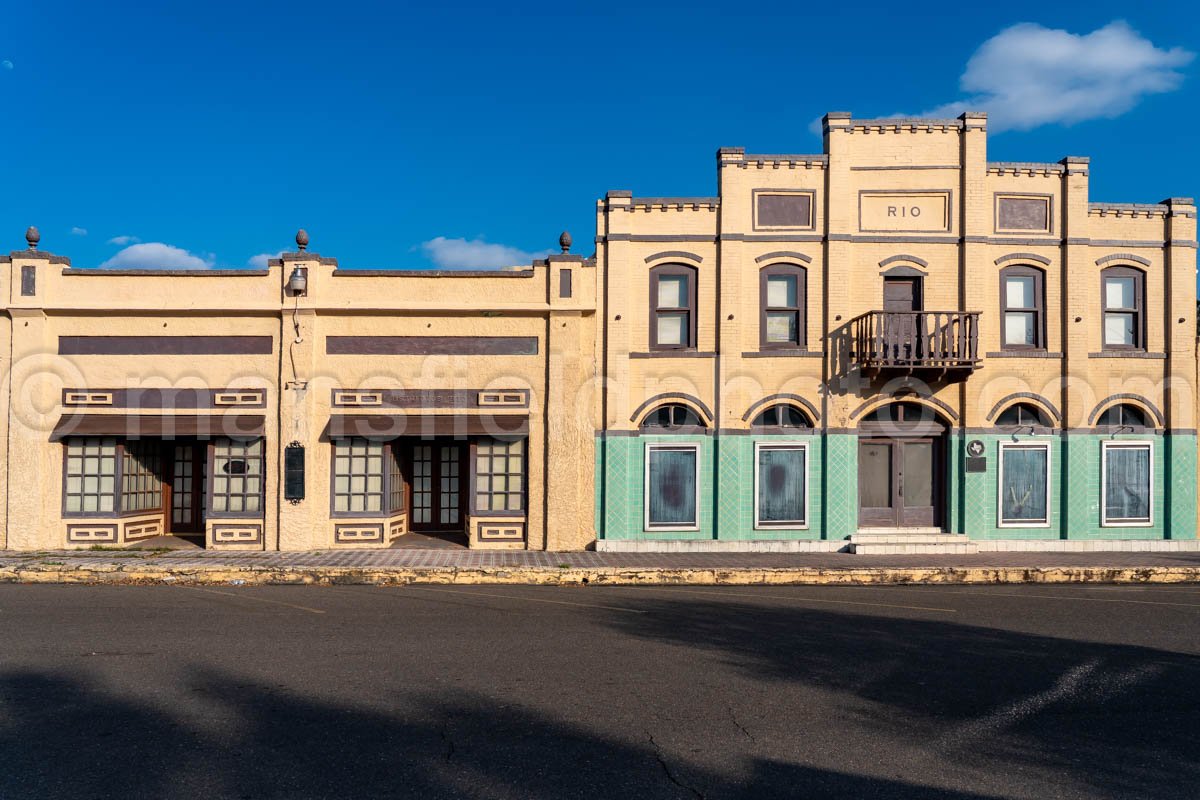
(1128, 354)
(674, 354)
(783, 526)
(784, 352)
(1024, 354)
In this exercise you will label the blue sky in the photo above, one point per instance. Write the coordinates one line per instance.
(451, 134)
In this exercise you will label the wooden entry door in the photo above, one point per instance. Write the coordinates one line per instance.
(899, 482)
(437, 501)
(186, 462)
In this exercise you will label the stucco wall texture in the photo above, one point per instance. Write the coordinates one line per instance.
(564, 347)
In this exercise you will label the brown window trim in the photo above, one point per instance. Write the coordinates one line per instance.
(1039, 306)
(210, 464)
(473, 475)
(692, 276)
(116, 512)
(1139, 309)
(800, 309)
(385, 510)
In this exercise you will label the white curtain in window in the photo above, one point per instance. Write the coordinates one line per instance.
(1127, 483)
(1024, 489)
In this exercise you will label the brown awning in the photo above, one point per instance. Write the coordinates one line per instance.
(391, 426)
(163, 426)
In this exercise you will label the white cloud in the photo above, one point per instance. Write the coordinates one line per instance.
(1028, 75)
(77, 231)
(124, 240)
(6, 64)
(156, 255)
(260, 261)
(476, 254)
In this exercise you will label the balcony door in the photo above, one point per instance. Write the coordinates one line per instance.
(901, 329)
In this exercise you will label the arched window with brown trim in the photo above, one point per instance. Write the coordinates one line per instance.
(1022, 308)
(1123, 297)
(782, 417)
(1022, 415)
(1123, 416)
(783, 295)
(672, 418)
(673, 307)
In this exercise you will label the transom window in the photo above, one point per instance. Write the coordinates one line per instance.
(671, 496)
(781, 485)
(671, 416)
(1022, 308)
(900, 412)
(672, 307)
(781, 416)
(1024, 484)
(783, 306)
(91, 475)
(1123, 289)
(499, 475)
(1022, 415)
(1123, 415)
(1128, 483)
(358, 472)
(237, 480)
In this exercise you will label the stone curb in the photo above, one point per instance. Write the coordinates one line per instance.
(132, 575)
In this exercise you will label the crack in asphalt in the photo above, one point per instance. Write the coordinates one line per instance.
(739, 725)
(445, 734)
(658, 755)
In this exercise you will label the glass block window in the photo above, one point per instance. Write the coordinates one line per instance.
(1024, 484)
(500, 475)
(358, 472)
(781, 485)
(672, 486)
(1128, 483)
(237, 479)
(91, 475)
(141, 476)
(395, 480)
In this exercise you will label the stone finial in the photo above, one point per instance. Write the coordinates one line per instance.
(302, 239)
(564, 242)
(32, 236)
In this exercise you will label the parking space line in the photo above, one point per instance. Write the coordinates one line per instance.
(526, 599)
(241, 596)
(804, 598)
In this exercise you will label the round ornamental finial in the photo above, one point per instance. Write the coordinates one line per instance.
(564, 242)
(33, 237)
(302, 239)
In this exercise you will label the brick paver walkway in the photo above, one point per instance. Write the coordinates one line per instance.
(372, 559)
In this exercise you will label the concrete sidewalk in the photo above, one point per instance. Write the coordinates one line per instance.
(585, 568)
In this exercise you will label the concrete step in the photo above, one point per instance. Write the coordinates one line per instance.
(908, 538)
(879, 549)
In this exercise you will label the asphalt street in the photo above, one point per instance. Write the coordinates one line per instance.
(605, 692)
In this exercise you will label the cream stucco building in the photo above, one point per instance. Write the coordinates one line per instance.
(895, 342)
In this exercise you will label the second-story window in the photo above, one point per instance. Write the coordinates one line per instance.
(1124, 325)
(1022, 308)
(672, 307)
(783, 306)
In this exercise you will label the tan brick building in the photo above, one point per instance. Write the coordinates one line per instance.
(893, 343)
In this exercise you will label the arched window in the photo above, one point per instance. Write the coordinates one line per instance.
(1023, 308)
(901, 412)
(673, 416)
(781, 416)
(1022, 415)
(1123, 415)
(783, 292)
(672, 307)
(1124, 303)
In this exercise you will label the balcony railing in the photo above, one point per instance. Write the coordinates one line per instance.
(916, 340)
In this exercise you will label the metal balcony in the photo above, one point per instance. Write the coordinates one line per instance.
(911, 341)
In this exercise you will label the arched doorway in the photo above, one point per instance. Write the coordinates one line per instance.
(901, 467)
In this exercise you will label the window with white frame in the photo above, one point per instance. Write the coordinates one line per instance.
(358, 470)
(1128, 489)
(672, 487)
(781, 485)
(91, 475)
(1024, 484)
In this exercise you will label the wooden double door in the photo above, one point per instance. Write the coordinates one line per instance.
(437, 489)
(900, 481)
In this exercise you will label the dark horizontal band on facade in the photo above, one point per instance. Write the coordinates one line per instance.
(1024, 354)
(879, 239)
(393, 426)
(164, 345)
(784, 352)
(168, 398)
(674, 354)
(159, 426)
(429, 398)
(1128, 354)
(432, 345)
(1021, 431)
